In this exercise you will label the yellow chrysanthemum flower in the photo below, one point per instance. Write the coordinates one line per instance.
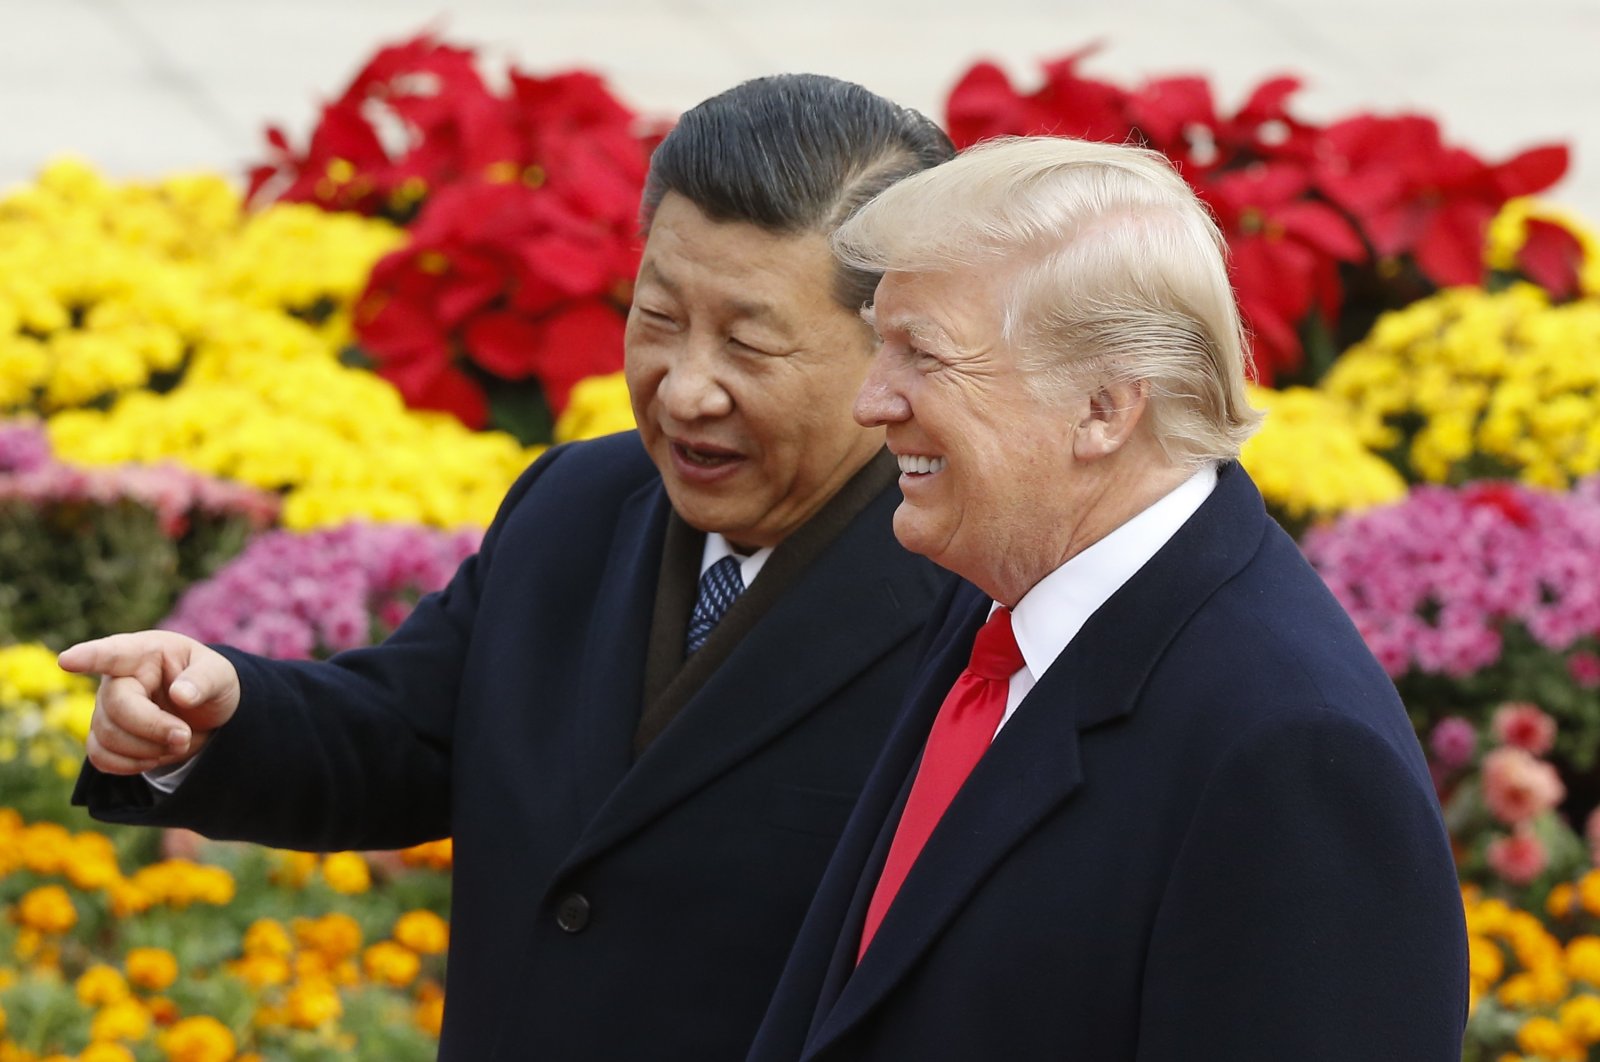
(1467, 383)
(1308, 460)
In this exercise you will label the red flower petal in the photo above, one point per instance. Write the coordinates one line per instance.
(1532, 171)
(506, 344)
(583, 341)
(1450, 251)
(1552, 258)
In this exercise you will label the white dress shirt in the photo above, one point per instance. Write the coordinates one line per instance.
(1051, 614)
(717, 547)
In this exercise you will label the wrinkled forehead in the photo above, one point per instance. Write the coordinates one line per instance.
(954, 309)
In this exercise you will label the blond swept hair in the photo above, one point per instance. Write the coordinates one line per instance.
(1112, 271)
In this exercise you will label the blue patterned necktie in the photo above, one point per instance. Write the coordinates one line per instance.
(720, 584)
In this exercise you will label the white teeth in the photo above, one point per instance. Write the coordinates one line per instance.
(920, 465)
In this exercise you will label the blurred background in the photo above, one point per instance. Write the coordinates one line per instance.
(143, 87)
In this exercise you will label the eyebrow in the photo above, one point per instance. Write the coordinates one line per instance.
(924, 333)
(758, 312)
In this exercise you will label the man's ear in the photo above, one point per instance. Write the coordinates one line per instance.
(1114, 411)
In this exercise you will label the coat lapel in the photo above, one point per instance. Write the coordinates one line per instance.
(619, 629)
(865, 844)
(797, 655)
(1033, 766)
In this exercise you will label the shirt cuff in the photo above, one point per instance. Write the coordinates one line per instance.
(168, 779)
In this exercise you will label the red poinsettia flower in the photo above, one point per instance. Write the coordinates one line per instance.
(502, 277)
(984, 105)
(1413, 194)
(1178, 117)
(1285, 254)
(416, 116)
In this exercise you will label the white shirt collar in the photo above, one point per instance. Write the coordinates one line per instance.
(1051, 614)
(717, 547)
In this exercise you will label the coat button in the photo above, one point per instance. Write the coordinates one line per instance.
(572, 914)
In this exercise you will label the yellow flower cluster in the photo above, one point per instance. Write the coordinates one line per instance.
(1509, 231)
(1468, 382)
(105, 286)
(44, 712)
(296, 257)
(339, 441)
(1522, 977)
(1308, 460)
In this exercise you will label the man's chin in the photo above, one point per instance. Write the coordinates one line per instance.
(912, 530)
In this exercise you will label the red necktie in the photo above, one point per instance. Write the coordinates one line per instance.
(965, 725)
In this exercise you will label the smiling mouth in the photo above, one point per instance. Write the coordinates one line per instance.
(704, 457)
(920, 465)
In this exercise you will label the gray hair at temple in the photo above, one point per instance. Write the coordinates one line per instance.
(1112, 271)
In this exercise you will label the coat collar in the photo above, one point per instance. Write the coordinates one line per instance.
(1033, 766)
(804, 636)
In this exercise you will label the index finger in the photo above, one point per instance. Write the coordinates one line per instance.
(118, 654)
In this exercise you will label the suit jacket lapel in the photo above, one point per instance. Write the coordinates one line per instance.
(1033, 766)
(859, 859)
(619, 629)
(787, 664)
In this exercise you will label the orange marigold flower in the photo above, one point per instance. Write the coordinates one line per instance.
(163, 1010)
(336, 936)
(429, 1012)
(1583, 959)
(423, 932)
(260, 971)
(392, 964)
(153, 969)
(44, 847)
(47, 909)
(126, 1019)
(266, 936)
(1559, 903)
(312, 1004)
(293, 869)
(128, 899)
(1589, 892)
(1580, 1017)
(1543, 1036)
(91, 861)
(1486, 960)
(105, 1052)
(347, 873)
(99, 985)
(199, 1039)
(439, 855)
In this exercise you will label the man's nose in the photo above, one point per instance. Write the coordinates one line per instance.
(692, 389)
(879, 402)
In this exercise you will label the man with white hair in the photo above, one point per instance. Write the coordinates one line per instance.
(1150, 797)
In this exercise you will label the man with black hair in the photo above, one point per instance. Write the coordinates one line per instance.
(646, 707)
